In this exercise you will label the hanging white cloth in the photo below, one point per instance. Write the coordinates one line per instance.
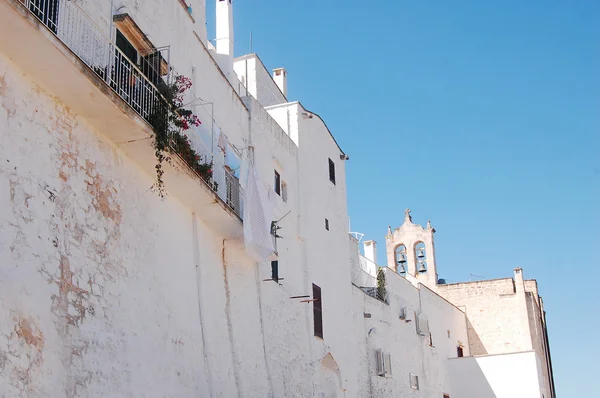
(222, 142)
(259, 203)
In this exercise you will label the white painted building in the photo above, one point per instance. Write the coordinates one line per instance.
(109, 290)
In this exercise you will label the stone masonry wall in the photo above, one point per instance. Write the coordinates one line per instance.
(491, 308)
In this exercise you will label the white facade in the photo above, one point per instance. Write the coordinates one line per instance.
(108, 290)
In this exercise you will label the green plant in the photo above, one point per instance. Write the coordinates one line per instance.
(381, 289)
(168, 120)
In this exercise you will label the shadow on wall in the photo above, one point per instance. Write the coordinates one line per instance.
(475, 343)
(469, 380)
(328, 383)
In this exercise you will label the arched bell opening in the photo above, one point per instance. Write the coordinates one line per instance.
(421, 257)
(401, 259)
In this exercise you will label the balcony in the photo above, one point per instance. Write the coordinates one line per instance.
(371, 279)
(65, 52)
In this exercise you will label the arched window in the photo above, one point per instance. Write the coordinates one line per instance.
(401, 259)
(421, 257)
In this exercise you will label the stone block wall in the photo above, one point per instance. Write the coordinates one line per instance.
(491, 307)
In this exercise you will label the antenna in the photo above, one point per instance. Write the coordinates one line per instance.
(357, 235)
(250, 42)
(478, 276)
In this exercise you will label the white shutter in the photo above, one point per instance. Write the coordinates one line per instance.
(387, 364)
(380, 363)
(423, 325)
(384, 364)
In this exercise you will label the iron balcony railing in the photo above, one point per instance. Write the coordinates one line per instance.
(135, 82)
(131, 81)
(222, 181)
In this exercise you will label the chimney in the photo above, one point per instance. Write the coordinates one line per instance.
(224, 27)
(280, 78)
(370, 247)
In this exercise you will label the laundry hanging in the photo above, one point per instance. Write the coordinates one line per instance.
(259, 203)
(222, 142)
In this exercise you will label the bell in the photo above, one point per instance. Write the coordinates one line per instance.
(421, 253)
(402, 269)
(422, 267)
(402, 259)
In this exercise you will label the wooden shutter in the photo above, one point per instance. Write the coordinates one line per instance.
(275, 270)
(317, 311)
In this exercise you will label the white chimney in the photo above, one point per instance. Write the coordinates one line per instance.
(225, 32)
(280, 78)
(370, 247)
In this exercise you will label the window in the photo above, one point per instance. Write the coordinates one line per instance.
(317, 311)
(284, 191)
(414, 381)
(128, 49)
(446, 395)
(277, 183)
(448, 333)
(139, 50)
(275, 270)
(331, 171)
(459, 352)
(327, 224)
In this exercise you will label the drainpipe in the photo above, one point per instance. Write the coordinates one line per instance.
(198, 289)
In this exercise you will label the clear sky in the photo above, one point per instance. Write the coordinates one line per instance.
(481, 116)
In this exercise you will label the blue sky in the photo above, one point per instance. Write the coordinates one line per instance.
(481, 116)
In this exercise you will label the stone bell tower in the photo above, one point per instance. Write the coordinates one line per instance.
(411, 253)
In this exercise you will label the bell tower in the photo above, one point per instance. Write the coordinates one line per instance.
(411, 253)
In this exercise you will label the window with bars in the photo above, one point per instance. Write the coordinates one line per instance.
(317, 311)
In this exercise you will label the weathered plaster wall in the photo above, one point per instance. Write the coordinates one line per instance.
(94, 287)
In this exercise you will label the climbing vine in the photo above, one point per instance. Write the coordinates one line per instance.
(170, 120)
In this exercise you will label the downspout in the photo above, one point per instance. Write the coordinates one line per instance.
(199, 292)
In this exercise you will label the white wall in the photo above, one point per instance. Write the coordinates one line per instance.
(258, 80)
(496, 376)
(378, 326)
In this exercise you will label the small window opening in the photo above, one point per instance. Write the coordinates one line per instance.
(327, 224)
(448, 333)
(317, 311)
(277, 186)
(459, 352)
(331, 171)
